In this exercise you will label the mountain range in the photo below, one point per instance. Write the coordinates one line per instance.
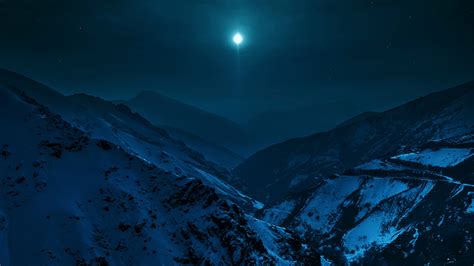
(275, 126)
(87, 181)
(413, 208)
(270, 173)
(173, 114)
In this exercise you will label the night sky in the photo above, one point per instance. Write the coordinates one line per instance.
(376, 54)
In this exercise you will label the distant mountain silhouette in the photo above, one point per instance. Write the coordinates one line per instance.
(211, 151)
(272, 127)
(164, 111)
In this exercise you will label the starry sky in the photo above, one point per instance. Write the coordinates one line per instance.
(370, 54)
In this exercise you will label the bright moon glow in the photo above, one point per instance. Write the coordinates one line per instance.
(238, 39)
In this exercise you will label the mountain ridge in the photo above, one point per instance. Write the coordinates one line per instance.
(269, 172)
(165, 111)
(88, 201)
(411, 208)
(102, 119)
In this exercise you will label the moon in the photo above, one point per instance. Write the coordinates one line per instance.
(238, 38)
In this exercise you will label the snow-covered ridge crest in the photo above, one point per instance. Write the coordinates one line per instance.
(68, 198)
(101, 119)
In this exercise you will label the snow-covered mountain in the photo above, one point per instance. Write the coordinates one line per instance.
(68, 196)
(166, 112)
(101, 119)
(85, 181)
(298, 163)
(411, 209)
(98, 117)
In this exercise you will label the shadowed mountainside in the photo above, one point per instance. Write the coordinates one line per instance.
(271, 172)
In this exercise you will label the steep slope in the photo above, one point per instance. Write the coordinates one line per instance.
(413, 208)
(164, 111)
(270, 173)
(67, 198)
(102, 119)
(116, 123)
(71, 111)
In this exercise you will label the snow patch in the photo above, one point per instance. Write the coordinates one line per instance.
(278, 213)
(377, 190)
(226, 189)
(322, 210)
(441, 158)
(381, 227)
(373, 231)
(470, 208)
(380, 165)
(269, 234)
